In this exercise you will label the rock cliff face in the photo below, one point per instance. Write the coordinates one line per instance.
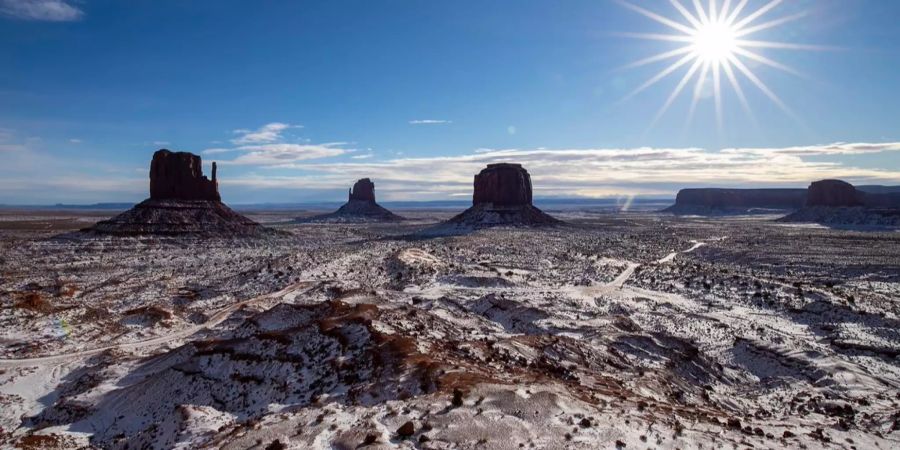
(502, 197)
(712, 201)
(360, 207)
(833, 193)
(363, 190)
(503, 185)
(179, 176)
(182, 202)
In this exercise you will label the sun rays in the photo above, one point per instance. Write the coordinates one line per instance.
(718, 38)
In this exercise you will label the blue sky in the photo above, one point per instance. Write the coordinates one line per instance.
(297, 99)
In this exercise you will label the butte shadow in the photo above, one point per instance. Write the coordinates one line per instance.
(182, 202)
(502, 197)
(360, 208)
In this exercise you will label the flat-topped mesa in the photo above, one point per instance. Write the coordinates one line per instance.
(503, 184)
(363, 190)
(833, 193)
(836, 202)
(716, 201)
(742, 198)
(179, 176)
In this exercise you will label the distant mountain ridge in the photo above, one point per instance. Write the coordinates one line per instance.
(91, 206)
(876, 189)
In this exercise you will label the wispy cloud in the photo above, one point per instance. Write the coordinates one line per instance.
(267, 133)
(430, 122)
(9, 143)
(47, 10)
(838, 148)
(216, 151)
(33, 173)
(267, 147)
(75, 141)
(73, 188)
(280, 155)
(589, 172)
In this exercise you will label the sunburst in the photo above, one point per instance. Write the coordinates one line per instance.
(718, 39)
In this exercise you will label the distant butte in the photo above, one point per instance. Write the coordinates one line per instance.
(179, 176)
(836, 202)
(833, 193)
(363, 190)
(360, 207)
(502, 196)
(503, 185)
(182, 201)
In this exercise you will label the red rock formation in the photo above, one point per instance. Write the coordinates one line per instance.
(182, 202)
(179, 176)
(833, 193)
(363, 190)
(502, 197)
(503, 184)
(360, 207)
(725, 201)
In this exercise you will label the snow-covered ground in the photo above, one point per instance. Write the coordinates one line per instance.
(629, 331)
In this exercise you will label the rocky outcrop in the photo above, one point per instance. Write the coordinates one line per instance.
(833, 193)
(836, 202)
(363, 190)
(503, 184)
(182, 202)
(502, 197)
(179, 176)
(736, 201)
(360, 207)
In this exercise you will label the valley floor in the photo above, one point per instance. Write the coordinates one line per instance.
(630, 330)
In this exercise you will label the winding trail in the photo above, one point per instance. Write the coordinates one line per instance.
(618, 283)
(671, 256)
(217, 318)
(620, 280)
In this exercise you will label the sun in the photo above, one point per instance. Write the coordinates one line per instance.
(717, 40)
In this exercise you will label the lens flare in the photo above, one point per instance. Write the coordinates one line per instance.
(58, 328)
(715, 45)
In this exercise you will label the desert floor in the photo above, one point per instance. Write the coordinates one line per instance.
(629, 330)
